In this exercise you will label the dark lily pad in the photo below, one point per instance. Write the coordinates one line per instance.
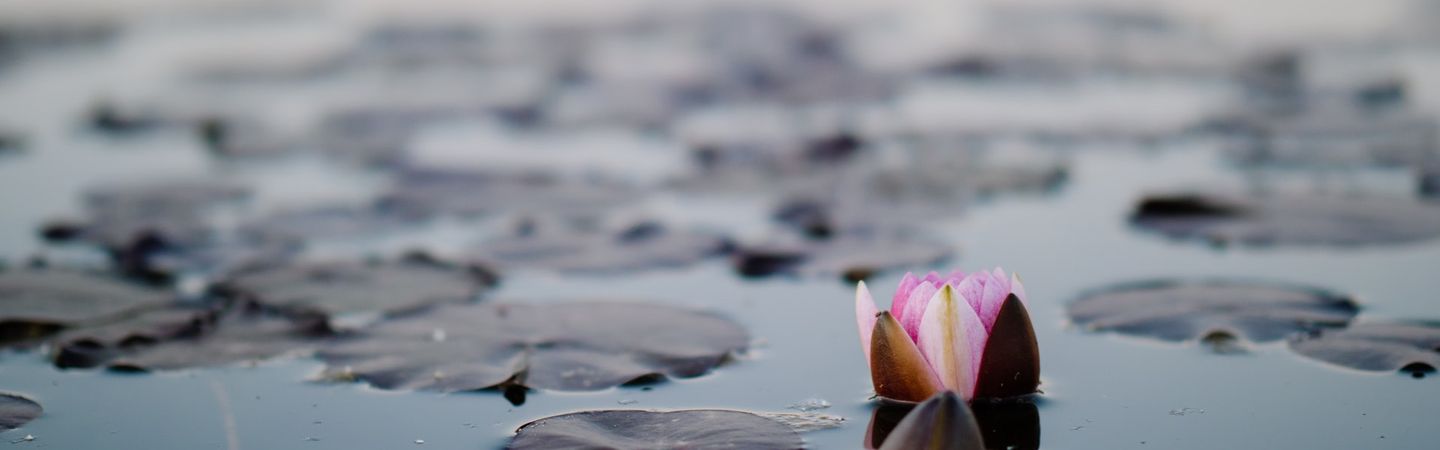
(93, 346)
(1289, 219)
(245, 332)
(688, 429)
(942, 422)
(472, 193)
(1214, 310)
(163, 195)
(853, 256)
(348, 287)
(38, 302)
(641, 246)
(16, 411)
(1412, 347)
(563, 346)
(328, 222)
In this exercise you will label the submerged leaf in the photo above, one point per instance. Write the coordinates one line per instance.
(1180, 310)
(1412, 347)
(687, 429)
(942, 422)
(16, 411)
(565, 346)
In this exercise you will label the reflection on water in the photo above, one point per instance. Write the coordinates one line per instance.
(1003, 425)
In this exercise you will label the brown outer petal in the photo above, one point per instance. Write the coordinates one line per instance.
(897, 369)
(1011, 364)
(943, 422)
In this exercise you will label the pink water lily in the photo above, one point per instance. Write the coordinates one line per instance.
(966, 333)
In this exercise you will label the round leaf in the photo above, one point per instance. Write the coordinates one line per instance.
(1180, 310)
(689, 429)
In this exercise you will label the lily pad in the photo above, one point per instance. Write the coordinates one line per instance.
(687, 429)
(855, 257)
(473, 193)
(1213, 310)
(563, 346)
(93, 346)
(642, 246)
(1412, 347)
(38, 302)
(348, 287)
(1289, 219)
(245, 332)
(328, 222)
(16, 411)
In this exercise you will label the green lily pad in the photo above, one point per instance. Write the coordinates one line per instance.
(1289, 219)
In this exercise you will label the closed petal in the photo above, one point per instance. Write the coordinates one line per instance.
(915, 308)
(865, 312)
(1011, 365)
(972, 289)
(902, 294)
(1017, 288)
(955, 276)
(952, 339)
(997, 287)
(897, 369)
(934, 279)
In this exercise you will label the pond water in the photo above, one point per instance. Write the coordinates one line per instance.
(1100, 390)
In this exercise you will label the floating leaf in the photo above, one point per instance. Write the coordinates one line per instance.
(942, 422)
(565, 346)
(1288, 219)
(327, 222)
(36, 303)
(470, 193)
(245, 332)
(1179, 310)
(852, 256)
(16, 411)
(1412, 347)
(688, 429)
(347, 287)
(642, 246)
(93, 346)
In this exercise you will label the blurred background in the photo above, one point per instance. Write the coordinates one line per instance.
(746, 157)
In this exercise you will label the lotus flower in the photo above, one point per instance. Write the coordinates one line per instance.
(968, 334)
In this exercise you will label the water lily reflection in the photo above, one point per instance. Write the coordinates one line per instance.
(968, 334)
(1007, 425)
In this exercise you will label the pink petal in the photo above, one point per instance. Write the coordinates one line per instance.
(997, 288)
(952, 340)
(865, 312)
(972, 288)
(915, 308)
(1017, 288)
(902, 294)
(934, 279)
(955, 277)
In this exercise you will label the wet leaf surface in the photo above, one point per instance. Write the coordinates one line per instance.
(243, 333)
(1411, 347)
(853, 256)
(1288, 219)
(16, 411)
(645, 245)
(349, 287)
(92, 346)
(328, 222)
(562, 346)
(37, 302)
(1181, 310)
(688, 429)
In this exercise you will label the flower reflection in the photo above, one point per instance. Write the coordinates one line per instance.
(1007, 425)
